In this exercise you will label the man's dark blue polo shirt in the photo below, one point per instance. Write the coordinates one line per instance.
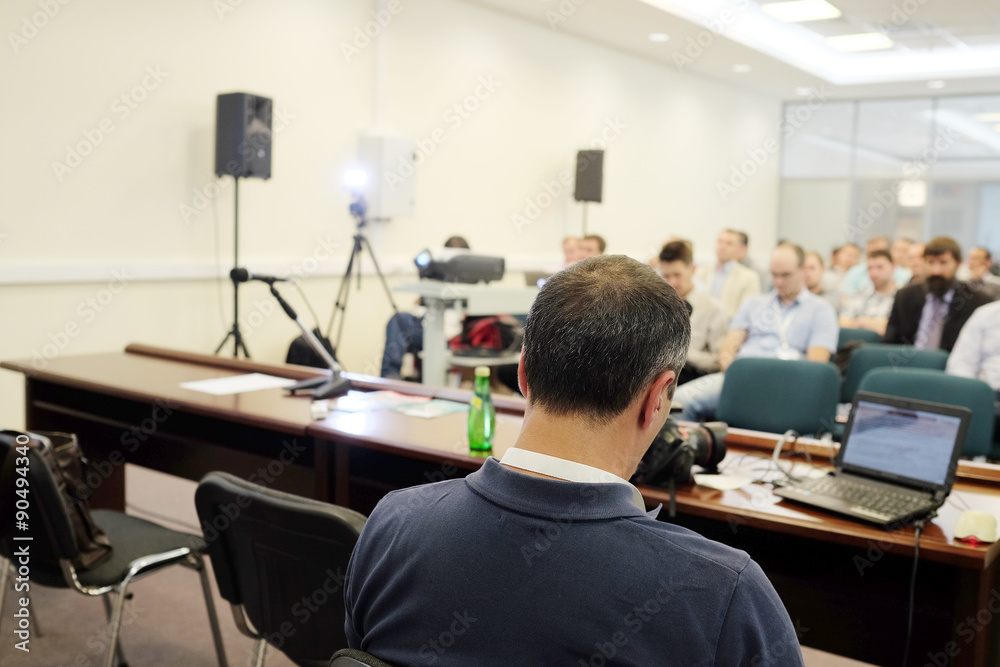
(503, 568)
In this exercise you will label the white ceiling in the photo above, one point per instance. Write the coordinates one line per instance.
(957, 42)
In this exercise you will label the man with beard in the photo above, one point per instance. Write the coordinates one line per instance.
(930, 315)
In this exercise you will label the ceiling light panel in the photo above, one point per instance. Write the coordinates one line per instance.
(862, 41)
(799, 11)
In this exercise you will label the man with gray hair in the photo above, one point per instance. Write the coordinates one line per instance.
(548, 556)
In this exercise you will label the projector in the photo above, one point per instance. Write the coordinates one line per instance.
(458, 265)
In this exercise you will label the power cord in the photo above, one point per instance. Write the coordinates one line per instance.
(918, 528)
(306, 300)
(790, 435)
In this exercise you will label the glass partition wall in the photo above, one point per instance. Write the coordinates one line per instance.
(909, 167)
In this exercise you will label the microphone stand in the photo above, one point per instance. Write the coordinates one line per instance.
(324, 386)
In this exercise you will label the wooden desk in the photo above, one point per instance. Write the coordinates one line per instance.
(845, 583)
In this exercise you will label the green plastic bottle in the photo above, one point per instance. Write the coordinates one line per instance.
(482, 414)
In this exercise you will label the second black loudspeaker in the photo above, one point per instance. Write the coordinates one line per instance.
(589, 176)
(243, 135)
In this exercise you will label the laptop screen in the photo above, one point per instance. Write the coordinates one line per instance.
(902, 442)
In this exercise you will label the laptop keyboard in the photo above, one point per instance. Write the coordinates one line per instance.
(882, 501)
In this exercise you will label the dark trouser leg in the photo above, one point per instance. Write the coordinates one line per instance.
(404, 333)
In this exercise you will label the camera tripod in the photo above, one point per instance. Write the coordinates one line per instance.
(361, 243)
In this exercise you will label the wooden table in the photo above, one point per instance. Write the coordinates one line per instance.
(845, 584)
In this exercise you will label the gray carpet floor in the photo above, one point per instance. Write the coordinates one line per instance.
(165, 623)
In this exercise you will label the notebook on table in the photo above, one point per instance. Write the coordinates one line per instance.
(896, 463)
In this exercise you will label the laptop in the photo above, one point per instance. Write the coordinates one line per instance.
(896, 464)
(536, 278)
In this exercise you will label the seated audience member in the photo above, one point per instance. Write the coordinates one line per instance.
(931, 314)
(869, 309)
(916, 263)
(603, 343)
(591, 245)
(787, 323)
(980, 262)
(729, 281)
(841, 260)
(815, 278)
(404, 332)
(743, 257)
(654, 261)
(854, 279)
(571, 251)
(708, 319)
(899, 250)
(977, 351)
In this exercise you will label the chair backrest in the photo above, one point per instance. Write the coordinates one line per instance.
(350, 657)
(878, 355)
(775, 395)
(934, 385)
(848, 334)
(48, 519)
(283, 558)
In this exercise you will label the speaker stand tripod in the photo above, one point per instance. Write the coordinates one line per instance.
(234, 332)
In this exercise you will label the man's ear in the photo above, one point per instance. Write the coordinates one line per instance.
(522, 378)
(656, 398)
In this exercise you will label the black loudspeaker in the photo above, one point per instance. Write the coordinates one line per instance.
(589, 176)
(243, 136)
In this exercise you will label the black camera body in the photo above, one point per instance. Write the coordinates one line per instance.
(671, 455)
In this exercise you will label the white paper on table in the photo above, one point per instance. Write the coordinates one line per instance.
(722, 481)
(237, 384)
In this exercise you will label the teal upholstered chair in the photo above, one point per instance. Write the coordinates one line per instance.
(881, 355)
(937, 386)
(848, 335)
(775, 395)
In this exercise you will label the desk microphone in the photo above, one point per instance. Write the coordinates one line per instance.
(242, 276)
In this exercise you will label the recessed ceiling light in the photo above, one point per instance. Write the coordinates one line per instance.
(802, 91)
(997, 127)
(912, 194)
(741, 68)
(658, 36)
(799, 11)
(864, 41)
(935, 85)
(988, 117)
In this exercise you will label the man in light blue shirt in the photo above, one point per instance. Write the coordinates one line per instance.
(977, 351)
(787, 323)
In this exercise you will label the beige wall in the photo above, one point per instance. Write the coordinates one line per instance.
(64, 235)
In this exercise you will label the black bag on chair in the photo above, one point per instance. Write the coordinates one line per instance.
(62, 455)
(301, 354)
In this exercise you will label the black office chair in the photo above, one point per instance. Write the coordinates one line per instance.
(350, 657)
(280, 561)
(139, 548)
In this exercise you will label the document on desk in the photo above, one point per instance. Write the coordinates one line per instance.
(722, 481)
(431, 409)
(237, 384)
(369, 401)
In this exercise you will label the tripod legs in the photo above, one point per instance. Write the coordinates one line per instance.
(234, 333)
(354, 267)
(238, 344)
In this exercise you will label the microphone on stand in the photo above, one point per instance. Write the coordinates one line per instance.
(243, 275)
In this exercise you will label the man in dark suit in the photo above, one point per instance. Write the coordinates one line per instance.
(930, 315)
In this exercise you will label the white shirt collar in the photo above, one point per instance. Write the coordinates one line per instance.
(570, 471)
